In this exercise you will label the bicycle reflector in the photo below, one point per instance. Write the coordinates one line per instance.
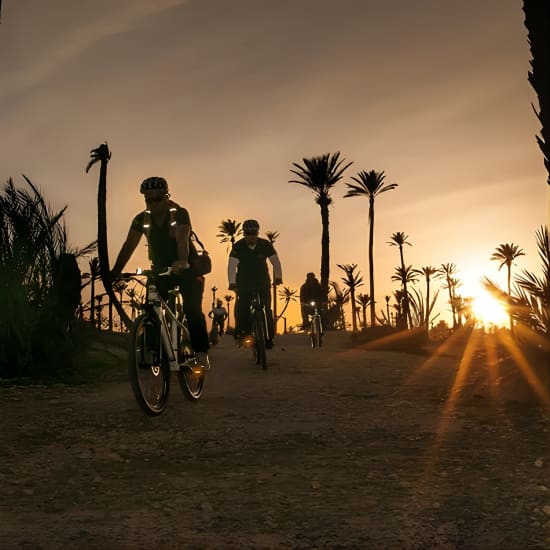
(248, 341)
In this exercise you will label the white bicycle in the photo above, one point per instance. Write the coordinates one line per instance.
(160, 344)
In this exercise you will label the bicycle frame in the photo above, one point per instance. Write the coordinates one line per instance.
(169, 323)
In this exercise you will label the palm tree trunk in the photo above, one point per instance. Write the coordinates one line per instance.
(102, 249)
(427, 306)
(325, 249)
(371, 263)
(353, 315)
(509, 294)
(406, 306)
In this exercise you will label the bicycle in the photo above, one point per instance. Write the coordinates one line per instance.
(315, 326)
(159, 344)
(257, 341)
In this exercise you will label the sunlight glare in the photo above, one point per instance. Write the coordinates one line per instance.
(488, 310)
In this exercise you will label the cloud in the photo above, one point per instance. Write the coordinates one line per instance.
(66, 36)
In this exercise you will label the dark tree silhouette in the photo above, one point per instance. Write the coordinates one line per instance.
(399, 239)
(537, 22)
(320, 174)
(370, 185)
(506, 254)
(352, 280)
(102, 155)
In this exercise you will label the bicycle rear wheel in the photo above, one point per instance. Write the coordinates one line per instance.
(260, 337)
(213, 337)
(148, 369)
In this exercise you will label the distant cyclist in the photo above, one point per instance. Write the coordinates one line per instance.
(218, 316)
(247, 272)
(310, 291)
(167, 227)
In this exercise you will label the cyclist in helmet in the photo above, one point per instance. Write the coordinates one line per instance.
(310, 291)
(167, 227)
(218, 314)
(247, 271)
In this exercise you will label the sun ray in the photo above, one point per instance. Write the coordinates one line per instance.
(525, 369)
(440, 351)
(450, 404)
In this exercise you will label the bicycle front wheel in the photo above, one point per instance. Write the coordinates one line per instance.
(190, 376)
(259, 339)
(148, 370)
(316, 337)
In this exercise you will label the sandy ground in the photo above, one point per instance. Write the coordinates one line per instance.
(338, 447)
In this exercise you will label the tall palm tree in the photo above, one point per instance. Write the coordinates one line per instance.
(506, 254)
(102, 155)
(272, 237)
(320, 174)
(228, 230)
(446, 271)
(370, 185)
(399, 239)
(428, 272)
(537, 15)
(352, 280)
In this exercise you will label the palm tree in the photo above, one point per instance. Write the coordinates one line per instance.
(363, 301)
(447, 271)
(102, 155)
(214, 289)
(320, 174)
(228, 230)
(537, 15)
(228, 298)
(352, 280)
(506, 254)
(388, 298)
(288, 295)
(531, 306)
(428, 272)
(370, 185)
(404, 275)
(399, 239)
(341, 298)
(272, 237)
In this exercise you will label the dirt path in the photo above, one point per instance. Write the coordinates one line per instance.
(329, 448)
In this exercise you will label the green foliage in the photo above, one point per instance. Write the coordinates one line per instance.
(35, 335)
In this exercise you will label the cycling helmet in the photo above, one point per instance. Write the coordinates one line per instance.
(152, 183)
(251, 227)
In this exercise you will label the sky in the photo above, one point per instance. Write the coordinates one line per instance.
(220, 97)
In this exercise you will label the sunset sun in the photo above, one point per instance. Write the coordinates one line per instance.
(489, 310)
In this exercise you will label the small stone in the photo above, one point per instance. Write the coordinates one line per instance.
(539, 462)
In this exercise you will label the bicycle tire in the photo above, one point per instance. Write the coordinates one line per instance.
(316, 337)
(148, 370)
(259, 339)
(213, 336)
(191, 380)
